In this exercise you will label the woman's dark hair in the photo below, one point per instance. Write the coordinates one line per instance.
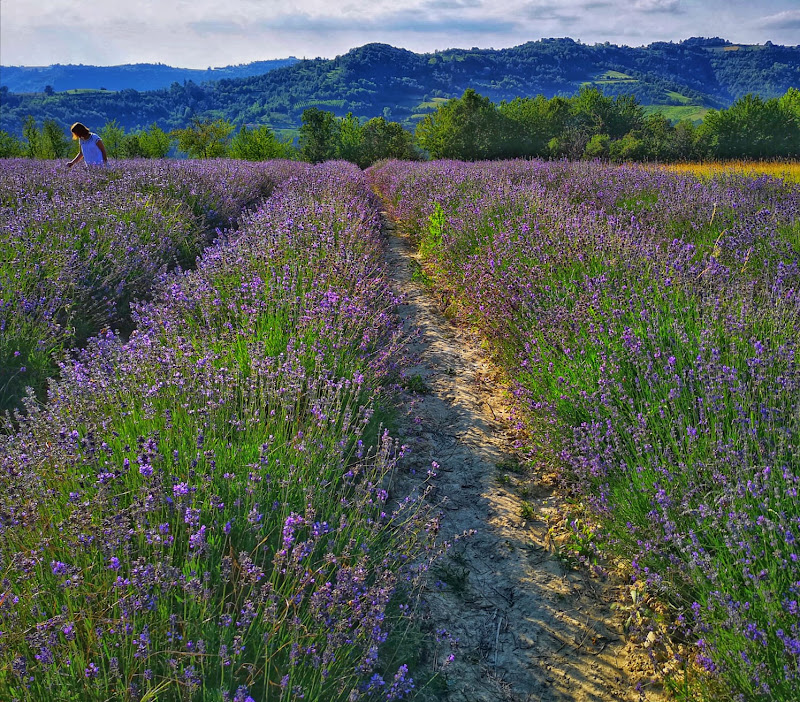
(80, 130)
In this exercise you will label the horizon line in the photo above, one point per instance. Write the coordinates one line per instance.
(452, 48)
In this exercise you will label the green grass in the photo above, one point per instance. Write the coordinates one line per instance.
(614, 75)
(81, 91)
(454, 575)
(676, 113)
(680, 98)
(319, 103)
(610, 78)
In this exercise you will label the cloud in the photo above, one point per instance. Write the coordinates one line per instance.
(412, 22)
(451, 4)
(546, 12)
(400, 21)
(542, 14)
(789, 19)
(672, 7)
(202, 32)
(209, 27)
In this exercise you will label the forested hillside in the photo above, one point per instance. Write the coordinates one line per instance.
(682, 79)
(138, 76)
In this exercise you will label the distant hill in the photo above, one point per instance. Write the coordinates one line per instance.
(682, 79)
(136, 76)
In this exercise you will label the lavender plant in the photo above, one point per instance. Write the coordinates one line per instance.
(651, 323)
(77, 248)
(197, 512)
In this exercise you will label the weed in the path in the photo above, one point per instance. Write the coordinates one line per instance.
(511, 466)
(527, 511)
(418, 274)
(416, 383)
(455, 576)
(503, 479)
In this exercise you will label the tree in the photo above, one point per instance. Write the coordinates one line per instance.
(658, 138)
(259, 144)
(10, 146)
(790, 102)
(131, 146)
(627, 116)
(468, 128)
(381, 139)
(49, 142)
(533, 122)
(33, 138)
(684, 141)
(204, 138)
(571, 142)
(349, 138)
(598, 146)
(113, 137)
(751, 127)
(592, 112)
(317, 135)
(154, 142)
(324, 136)
(629, 148)
(54, 140)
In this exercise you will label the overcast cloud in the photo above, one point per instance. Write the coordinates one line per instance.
(201, 33)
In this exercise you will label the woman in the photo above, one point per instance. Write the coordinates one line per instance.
(92, 151)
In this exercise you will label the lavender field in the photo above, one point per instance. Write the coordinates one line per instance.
(76, 250)
(650, 323)
(199, 359)
(198, 511)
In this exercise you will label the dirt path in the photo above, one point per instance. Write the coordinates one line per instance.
(528, 628)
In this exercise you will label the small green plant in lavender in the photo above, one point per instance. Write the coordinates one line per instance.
(511, 466)
(504, 479)
(418, 273)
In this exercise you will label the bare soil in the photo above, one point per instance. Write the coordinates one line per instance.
(528, 625)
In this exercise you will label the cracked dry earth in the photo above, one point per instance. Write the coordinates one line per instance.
(528, 628)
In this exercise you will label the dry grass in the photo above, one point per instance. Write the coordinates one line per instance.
(789, 170)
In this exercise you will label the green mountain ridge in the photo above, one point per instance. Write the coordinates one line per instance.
(686, 78)
(136, 76)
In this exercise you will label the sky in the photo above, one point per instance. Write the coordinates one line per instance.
(202, 33)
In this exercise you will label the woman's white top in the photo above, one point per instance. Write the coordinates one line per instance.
(92, 156)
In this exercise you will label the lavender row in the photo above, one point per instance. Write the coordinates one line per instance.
(197, 513)
(651, 324)
(78, 247)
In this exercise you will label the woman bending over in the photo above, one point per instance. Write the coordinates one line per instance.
(92, 151)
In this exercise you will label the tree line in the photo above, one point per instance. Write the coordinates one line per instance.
(472, 127)
(322, 137)
(594, 125)
(50, 141)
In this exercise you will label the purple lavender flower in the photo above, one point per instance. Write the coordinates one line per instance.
(198, 539)
(402, 686)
